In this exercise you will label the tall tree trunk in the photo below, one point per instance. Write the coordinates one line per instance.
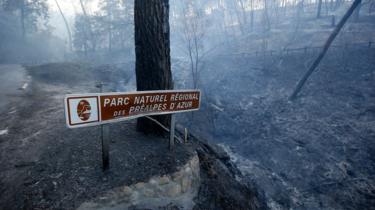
(252, 14)
(88, 24)
(23, 28)
(66, 25)
(319, 8)
(356, 12)
(266, 17)
(110, 37)
(239, 17)
(243, 15)
(331, 5)
(152, 49)
(325, 48)
(110, 15)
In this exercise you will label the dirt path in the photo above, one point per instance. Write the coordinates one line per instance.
(48, 166)
(13, 81)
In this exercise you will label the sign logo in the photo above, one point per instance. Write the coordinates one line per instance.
(84, 110)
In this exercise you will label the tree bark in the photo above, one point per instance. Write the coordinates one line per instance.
(152, 49)
(325, 49)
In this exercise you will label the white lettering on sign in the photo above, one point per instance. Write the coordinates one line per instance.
(116, 101)
(94, 109)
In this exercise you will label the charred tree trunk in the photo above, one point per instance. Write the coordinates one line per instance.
(88, 24)
(152, 49)
(356, 12)
(110, 36)
(110, 26)
(319, 8)
(23, 19)
(252, 15)
(266, 18)
(325, 49)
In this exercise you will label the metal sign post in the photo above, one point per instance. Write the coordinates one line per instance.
(171, 138)
(185, 135)
(82, 110)
(105, 143)
(105, 148)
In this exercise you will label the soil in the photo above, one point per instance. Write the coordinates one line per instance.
(49, 166)
(313, 153)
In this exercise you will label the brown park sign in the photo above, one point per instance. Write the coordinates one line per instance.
(94, 109)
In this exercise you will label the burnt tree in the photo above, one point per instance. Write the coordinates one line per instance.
(319, 8)
(326, 46)
(152, 50)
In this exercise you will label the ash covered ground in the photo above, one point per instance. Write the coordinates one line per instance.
(316, 152)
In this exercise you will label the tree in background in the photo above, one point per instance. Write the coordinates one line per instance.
(80, 39)
(356, 11)
(115, 18)
(193, 30)
(326, 46)
(87, 27)
(125, 25)
(109, 12)
(319, 8)
(30, 13)
(266, 17)
(110, 28)
(241, 13)
(152, 49)
(66, 26)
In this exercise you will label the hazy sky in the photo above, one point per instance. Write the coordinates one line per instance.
(71, 7)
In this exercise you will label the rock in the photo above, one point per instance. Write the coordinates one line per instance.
(173, 190)
(140, 185)
(220, 152)
(186, 184)
(178, 175)
(56, 176)
(164, 180)
(149, 192)
(103, 198)
(127, 190)
(153, 181)
(188, 170)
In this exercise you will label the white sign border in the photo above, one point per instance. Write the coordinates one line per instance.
(67, 96)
